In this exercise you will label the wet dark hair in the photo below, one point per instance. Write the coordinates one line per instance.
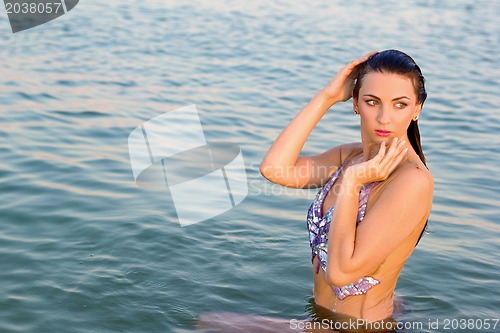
(397, 62)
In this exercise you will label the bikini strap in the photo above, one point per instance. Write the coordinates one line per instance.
(334, 177)
(364, 195)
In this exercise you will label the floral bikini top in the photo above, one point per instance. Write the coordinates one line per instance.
(319, 225)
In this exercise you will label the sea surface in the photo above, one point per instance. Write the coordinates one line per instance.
(83, 248)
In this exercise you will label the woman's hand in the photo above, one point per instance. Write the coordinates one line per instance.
(380, 166)
(341, 86)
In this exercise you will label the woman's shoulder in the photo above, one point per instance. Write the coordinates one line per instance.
(336, 156)
(411, 176)
(411, 180)
(350, 150)
(412, 173)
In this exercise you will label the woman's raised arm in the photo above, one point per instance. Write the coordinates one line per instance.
(282, 163)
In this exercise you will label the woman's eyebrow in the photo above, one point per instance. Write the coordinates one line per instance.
(394, 99)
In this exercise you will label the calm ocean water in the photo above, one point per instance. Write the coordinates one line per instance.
(83, 249)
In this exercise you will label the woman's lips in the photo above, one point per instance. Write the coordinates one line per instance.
(383, 133)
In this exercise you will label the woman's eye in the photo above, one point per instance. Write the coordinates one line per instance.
(401, 105)
(371, 102)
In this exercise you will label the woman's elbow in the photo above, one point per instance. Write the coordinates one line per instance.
(272, 173)
(337, 279)
(266, 171)
(276, 174)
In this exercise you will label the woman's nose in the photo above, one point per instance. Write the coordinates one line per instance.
(383, 115)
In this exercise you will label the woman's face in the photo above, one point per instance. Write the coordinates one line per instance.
(386, 103)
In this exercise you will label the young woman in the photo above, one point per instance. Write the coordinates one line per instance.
(376, 194)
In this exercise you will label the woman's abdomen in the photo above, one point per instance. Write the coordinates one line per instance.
(376, 304)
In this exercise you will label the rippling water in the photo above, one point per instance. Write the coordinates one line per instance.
(83, 249)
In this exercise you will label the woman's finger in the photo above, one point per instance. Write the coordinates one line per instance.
(364, 57)
(381, 152)
(390, 161)
(393, 149)
(401, 155)
(350, 66)
(369, 54)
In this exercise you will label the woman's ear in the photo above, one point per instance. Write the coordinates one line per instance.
(416, 114)
(355, 105)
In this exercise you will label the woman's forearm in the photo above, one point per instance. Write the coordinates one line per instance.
(342, 234)
(283, 154)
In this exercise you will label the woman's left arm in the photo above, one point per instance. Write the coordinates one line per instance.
(403, 204)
